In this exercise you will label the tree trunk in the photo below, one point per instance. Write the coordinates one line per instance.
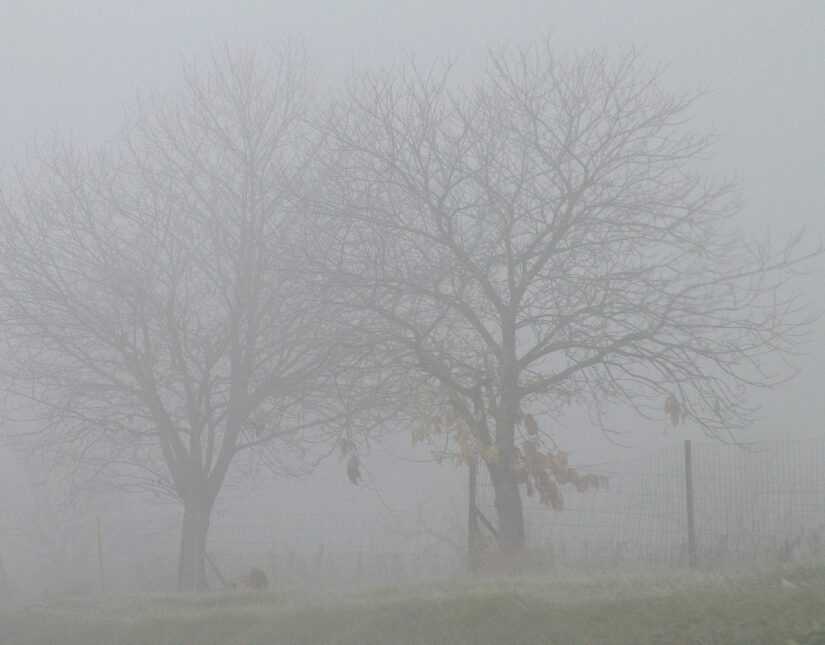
(503, 474)
(194, 529)
(510, 511)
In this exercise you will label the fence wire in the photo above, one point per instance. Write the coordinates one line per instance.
(753, 504)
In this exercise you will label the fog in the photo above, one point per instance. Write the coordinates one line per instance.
(75, 67)
(111, 152)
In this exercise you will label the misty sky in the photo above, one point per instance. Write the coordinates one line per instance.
(72, 66)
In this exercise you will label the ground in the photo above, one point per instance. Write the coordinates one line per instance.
(780, 607)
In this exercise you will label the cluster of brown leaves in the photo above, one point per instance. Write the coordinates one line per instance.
(539, 469)
(545, 471)
(675, 410)
(347, 447)
(439, 421)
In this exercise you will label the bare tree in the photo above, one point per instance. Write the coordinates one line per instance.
(548, 237)
(44, 525)
(154, 314)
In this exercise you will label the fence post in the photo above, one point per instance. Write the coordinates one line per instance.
(472, 518)
(5, 589)
(318, 565)
(273, 567)
(99, 531)
(691, 522)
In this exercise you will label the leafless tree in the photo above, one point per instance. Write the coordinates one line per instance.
(155, 317)
(43, 526)
(549, 237)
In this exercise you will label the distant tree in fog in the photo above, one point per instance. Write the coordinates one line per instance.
(43, 523)
(542, 238)
(154, 312)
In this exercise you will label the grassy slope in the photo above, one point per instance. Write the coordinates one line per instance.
(635, 611)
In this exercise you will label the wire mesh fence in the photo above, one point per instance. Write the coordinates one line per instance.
(753, 504)
(760, 503)
(335, 549)
(294, 550)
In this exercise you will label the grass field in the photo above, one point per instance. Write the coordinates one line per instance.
(635, 610)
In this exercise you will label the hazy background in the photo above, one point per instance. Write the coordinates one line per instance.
(73, 66)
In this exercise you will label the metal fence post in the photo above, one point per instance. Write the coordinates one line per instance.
(5, 589)
(99, 531)
(691, 521)
(472, 518)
